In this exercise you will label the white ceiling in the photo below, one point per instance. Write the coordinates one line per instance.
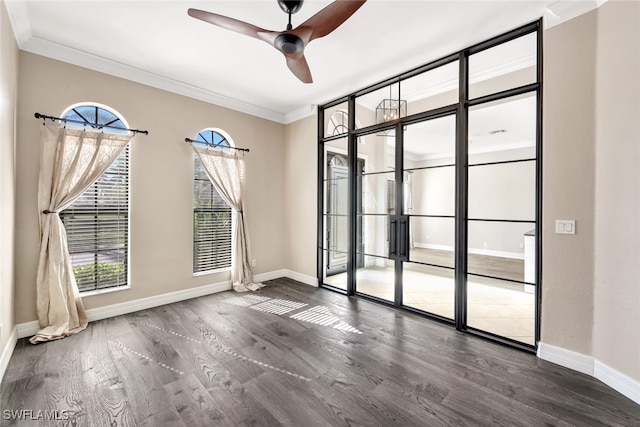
(157, 43)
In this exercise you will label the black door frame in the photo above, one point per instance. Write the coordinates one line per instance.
(461, 110)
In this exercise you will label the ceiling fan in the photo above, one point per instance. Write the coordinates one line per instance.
(292, 41)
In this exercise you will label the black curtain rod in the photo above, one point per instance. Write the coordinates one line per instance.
(210, 144)
(95, 126)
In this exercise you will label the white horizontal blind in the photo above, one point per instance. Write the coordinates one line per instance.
(97, 229)
(211, 224)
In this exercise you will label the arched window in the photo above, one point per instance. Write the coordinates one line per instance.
(212, 217)
(338, 123)
(95, 116)
(97, 223)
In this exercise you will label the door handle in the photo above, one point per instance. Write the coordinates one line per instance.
(393, 235)
(404, 238)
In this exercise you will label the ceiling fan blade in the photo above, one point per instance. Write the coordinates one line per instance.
(327, 20)
(234, 25)
(299, 67)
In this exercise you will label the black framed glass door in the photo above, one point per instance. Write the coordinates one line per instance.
(428, 205)
(439, 207)
(375, 216)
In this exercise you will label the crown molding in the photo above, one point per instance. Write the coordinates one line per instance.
(300, 113)
(564, 10)
(556, 13)
(97, 63)
(19, 19)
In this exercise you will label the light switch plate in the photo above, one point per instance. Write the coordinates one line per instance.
(565, 226)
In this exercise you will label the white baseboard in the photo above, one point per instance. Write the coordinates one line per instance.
(593, 367)
(28, 329)
(567, 358)
(293, 275)
(617, 381)
(433, 246)
(489, 252)
(270, 275)
(7, 351)
(307, 280)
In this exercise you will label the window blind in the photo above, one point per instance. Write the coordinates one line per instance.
(97, 226)
(211, 225)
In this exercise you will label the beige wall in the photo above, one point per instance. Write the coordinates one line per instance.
(161, 178)
(616, 335)
(301, 177)
(8, 97)
(568, 182)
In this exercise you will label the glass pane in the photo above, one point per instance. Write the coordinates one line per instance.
(336, 187)
(430, 191)
(500, 307)
(503, 191)
(429, 289)
(86, 112)
(377, 193)
(432, 240)
(503, 67)
(375, 277)
(503, 130)
(336, 120)
(373, 235)
(335, 267)
(336, 233)
(432, 89)
(380, 106)
(105, 116)
(377, 152)
(336, 202)
(72, 115)
(430, 143)
(336, 153)
(497, 249)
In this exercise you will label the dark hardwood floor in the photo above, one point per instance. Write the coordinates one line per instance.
(238, 359)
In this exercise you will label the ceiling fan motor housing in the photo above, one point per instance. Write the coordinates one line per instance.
(289, 43)
(290, 6)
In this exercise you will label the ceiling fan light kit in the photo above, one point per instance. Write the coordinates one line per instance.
(291, 42)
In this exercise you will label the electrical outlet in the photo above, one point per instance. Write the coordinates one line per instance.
(1, 325)
(521, 245)
(253, 263)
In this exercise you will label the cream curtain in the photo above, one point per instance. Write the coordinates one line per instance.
(225, 169)
(71, 161)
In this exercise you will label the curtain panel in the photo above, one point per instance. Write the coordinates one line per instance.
(71, 161)
(226, 170)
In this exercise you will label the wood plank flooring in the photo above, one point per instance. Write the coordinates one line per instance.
(234, 359)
